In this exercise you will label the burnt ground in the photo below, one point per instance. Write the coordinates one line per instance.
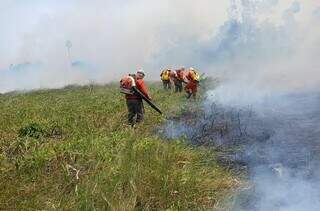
(277, 143)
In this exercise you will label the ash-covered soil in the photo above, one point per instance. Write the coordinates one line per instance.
(276, 141)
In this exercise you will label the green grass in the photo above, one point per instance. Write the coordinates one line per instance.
(70, 149)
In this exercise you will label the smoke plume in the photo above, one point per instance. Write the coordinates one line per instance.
(271, 67)
(108, 38)
(267, 105)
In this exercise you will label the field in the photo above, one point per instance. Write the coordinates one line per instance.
(70, 149)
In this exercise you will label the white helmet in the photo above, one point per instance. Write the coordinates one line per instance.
(191, 68)
(141, 71)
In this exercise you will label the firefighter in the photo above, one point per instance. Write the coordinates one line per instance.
(179, 79)
(134, 101)
(165, 77)
(173, 77)
(193, 82)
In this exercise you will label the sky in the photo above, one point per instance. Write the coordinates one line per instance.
(113, 38)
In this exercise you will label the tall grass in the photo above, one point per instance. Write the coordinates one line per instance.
(71, 149)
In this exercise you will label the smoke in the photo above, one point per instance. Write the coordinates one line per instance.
(276, 140)
(267, 105)
(271, 66)
(221, 38)
(284, 165)
(114, 37)
(269, 57)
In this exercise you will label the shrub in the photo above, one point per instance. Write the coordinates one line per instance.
(32, 130)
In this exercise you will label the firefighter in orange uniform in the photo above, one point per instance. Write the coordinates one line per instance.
(193, 82)
(134, 101)
(179, 79)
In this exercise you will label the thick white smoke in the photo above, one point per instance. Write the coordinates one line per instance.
(110, 37)
(257, 53)
(271, 65)
(266, 57)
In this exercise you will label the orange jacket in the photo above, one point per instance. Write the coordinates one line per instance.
(192, 86)
(140, 86)
(193, 75)
(189, 76)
